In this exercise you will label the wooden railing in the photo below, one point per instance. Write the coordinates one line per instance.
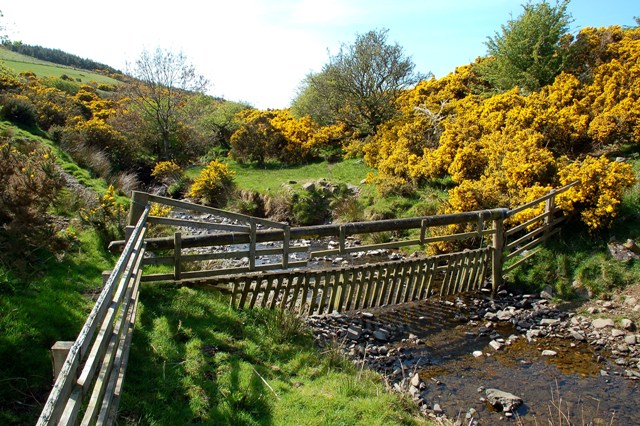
(92, 375)
(525, 239)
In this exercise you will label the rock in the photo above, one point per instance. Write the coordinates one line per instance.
(630, 301)
(501, 400)
(381, 334)
(309, 186)
(617, 333)
(627, 324)
(548, 352)
(496, 345)
(354, 332)
(437, 409)
(600, 323)
(549, 321)
(504, 315)
(630, 339)
(631, 246)
(415, 380)
(577, 335)
(636, 308)
(547, 293)
(477, 354)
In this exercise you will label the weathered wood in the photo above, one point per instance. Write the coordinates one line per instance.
(177, 252)
(498, 243)
(520, 261)
(59, 352)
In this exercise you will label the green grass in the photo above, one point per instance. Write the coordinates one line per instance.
(194, 359)
(37, 311)
(270, 177)
(22, 63)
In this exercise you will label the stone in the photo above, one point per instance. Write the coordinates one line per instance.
(630, 301)
(309, 186)
(415, 380)
(609, 305)
(548, 352)
(617, 333)
(354, 332)
(437, 409)
(367, 314)
(549, 321)
(381, 334)
(501, 400)
(496, 345)
(630, 339)
(577, 335)
(547, 293)
(627, 324)
(504, 315)
(477, 354)
(600, 323)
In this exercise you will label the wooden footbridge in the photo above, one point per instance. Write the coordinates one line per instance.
(262, 263)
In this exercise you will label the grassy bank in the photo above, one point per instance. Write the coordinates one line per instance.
(196, 360)
(36, 311)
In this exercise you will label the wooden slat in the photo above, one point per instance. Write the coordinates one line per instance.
(531, 244)
(66, 378)
(520, 261)
(217, 212)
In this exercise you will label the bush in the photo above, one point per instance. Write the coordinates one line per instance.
(107, 217)
(213, 185)
(29, 182)
(19, 110)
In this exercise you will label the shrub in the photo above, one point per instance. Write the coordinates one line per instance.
(29, 182)
(166, 172)
(213, 185)
(19, 110)
(107, 217)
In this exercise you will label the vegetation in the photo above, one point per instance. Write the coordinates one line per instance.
(243, 367)
(359, 84)
(495, 133)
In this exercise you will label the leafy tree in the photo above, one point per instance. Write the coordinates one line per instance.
(530, 51)
(162, 82)
(359, 84)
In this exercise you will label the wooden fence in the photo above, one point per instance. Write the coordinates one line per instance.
(360, 287)
(92, 375)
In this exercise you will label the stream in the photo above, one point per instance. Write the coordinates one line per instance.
(437, 339)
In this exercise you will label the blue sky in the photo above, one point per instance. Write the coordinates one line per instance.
(258, 51)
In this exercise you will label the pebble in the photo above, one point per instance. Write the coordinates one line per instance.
(548, 352)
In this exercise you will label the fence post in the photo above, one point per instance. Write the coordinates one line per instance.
(285, 246)
(139, 201)
(498, 244)
(177, 251)
(59, 352)
(549, 208)
(252, 244)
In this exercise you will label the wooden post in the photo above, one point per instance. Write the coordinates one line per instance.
(139, 201)
(252, 244)
(343, 235)
(549, 208)
(177, 251)
(285, 246)
(498, 244)
(59, 352)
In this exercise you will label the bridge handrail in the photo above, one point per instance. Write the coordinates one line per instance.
(112, 316)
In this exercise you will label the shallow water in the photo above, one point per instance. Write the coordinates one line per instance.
(571, 380)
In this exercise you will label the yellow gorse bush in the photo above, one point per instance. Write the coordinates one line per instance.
(213, 183)
(506, 149)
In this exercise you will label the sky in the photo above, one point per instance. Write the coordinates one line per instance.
(259, 51)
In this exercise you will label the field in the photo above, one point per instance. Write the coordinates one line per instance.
(19, 63)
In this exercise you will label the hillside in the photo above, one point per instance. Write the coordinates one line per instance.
(18, 63)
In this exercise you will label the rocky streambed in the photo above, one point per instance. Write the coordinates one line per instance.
(480, 360)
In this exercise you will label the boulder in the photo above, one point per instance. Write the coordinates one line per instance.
(501, 400)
